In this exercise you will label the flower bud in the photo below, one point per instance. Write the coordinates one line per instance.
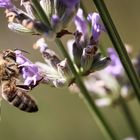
(87, 58)
(64, 69)
(59, 83)
(49, 55)
(100, 64)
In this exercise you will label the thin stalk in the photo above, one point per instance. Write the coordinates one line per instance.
(125, 109)
(108, 133)
(129, 118)
(119, 46)
(41, 13)
(106, 130)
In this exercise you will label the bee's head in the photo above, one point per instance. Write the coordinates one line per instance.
(9, 54)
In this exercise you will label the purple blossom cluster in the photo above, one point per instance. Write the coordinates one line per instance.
(29, 70)
(84, 48)
(28, 22)
(97, 27)
(6, 4)
(93, 19)
(115, 68)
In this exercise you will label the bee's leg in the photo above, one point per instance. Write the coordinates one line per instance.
(12, 64)
(7, 76)
(29, 87)
(11, 70)
(21, 50)
(24, 87)
(37, 82)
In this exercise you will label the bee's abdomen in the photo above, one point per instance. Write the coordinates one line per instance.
(21, 100)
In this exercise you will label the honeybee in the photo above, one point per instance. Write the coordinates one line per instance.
(19, 17)
(16, 95)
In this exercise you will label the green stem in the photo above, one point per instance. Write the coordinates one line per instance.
(41, 13)
(86, 97)
(106, 130)
(119, 46)
(123, 105)
(128, 115)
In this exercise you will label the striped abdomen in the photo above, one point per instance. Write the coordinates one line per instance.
(20, 99)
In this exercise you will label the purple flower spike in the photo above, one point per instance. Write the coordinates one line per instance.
(6, 4)
(81, 24)
(97, 27)
(115, 68)
(30, 74)
(29, 70)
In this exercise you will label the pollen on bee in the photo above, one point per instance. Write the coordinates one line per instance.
(28, 24)
(10, 15)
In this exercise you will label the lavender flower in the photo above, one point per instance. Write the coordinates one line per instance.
(81, 24)
(105, 90)
(6, 4)
(59, 13)
(65, 11)
(93, 19)
(29, 70)
(49, 56)
(97, 27)
(55, 72)
(115, 68)
(84, 48)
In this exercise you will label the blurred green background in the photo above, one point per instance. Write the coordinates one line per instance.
(62, 115)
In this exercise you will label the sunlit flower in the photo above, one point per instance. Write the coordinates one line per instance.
(97, 26)
(6, 4)
(115, 68)
(56, 72)
(83, 49)
(81, 23)
(58, 12)
(29, 70)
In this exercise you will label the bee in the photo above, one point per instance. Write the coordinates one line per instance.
(19, 17)
(16, 95)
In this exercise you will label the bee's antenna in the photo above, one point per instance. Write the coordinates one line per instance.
(21, 50)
